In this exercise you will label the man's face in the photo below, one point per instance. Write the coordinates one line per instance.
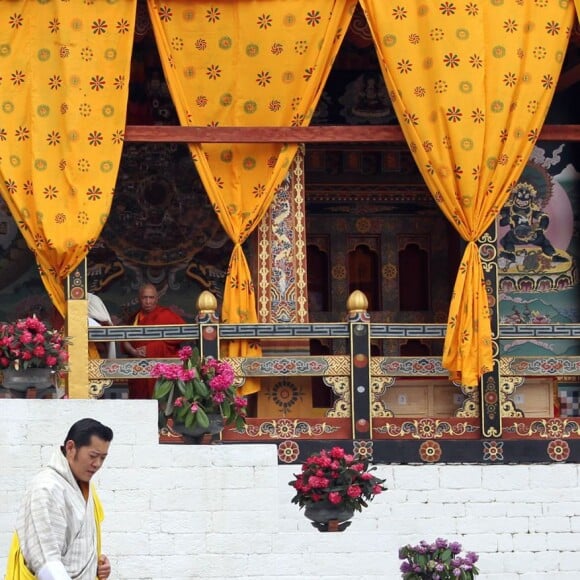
(87, 460)
(148, 298)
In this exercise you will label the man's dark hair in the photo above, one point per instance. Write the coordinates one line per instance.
(82, 431)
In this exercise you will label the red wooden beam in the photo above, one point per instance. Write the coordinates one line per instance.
(314, 134)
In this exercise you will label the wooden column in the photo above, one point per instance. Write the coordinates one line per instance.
(76, 328)
(281, 288)
(491, 425)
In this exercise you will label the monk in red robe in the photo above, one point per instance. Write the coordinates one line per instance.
(151, 314)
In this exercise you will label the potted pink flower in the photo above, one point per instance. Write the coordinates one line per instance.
(31, 354)
(199, 394)
(332, 485)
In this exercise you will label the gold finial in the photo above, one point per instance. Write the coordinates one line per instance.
(206, 302)
(357, 302)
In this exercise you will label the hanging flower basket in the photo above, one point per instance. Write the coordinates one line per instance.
(328, 517)
(19, 381)
(31, 355)
(332, 486)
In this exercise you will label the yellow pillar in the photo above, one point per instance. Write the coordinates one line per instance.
(77, 331)
(76, 325)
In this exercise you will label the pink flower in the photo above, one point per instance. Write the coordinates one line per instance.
(178, 402)
(166, 371)
(26, 355)
(51, 361)
(377, 489)
(218, 398)
(337, 453)
(240, 402)
(318, 482)
(184, 353)
(223, 379)
(353, 491)
(33, 323)
(334, 497)
(26, 337)
(194, 408)
(187, 374)
(39, 351)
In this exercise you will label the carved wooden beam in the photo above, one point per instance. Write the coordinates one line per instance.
(314, 134)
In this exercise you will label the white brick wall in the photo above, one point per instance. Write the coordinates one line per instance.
(224, 511)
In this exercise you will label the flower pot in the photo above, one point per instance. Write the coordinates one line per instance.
(19, 381)
(329, 517)
(197, 434)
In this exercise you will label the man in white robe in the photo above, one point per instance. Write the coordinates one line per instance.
(99, 316)
(58, 523)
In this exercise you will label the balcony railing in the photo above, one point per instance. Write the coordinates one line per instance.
(359, 381)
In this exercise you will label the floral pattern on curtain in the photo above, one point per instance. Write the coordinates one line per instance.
(471, 83)
(246, 64)
(64, 72)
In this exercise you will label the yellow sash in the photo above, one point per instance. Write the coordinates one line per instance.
(16, 568)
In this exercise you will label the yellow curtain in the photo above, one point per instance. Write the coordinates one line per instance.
(246, 64)
(471, 83)
(64, 72)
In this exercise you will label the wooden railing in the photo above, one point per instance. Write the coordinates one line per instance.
(358, 380)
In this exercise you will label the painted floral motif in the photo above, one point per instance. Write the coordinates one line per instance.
(363, 450)
(430, 451)
(558, 450)
(493, 451)
(288, 451)
(285, 428)
(546, 428)
(285, 394)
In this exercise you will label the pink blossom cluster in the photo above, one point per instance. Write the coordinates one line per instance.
(337, 477)
(173, 372)
(220, 375)
(198, 386)
(28, 343)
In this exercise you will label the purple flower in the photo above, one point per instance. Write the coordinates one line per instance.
(455, 547)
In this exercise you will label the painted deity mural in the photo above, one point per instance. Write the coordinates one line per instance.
(538, 251)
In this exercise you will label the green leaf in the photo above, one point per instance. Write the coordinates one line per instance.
(195, 356)
(201, 388)
(162, 388)
(188, 392)
(182, 413)
(182, 387)
(202, 418)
